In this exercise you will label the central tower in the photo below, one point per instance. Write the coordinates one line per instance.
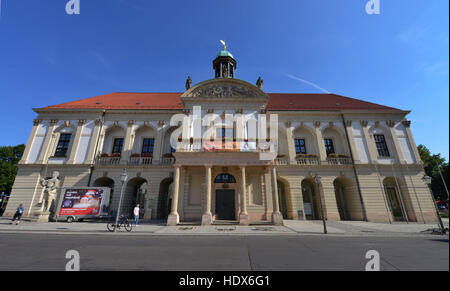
(224, 64)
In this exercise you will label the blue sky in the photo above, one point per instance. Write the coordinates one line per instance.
(398, 58)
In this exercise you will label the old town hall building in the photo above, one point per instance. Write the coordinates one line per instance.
(346, 158)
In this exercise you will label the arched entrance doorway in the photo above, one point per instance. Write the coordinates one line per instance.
(225, 197)
(106, 182)
(395, 199)
(135, 192)
(347, 199)
(311, 201)
(165, 198)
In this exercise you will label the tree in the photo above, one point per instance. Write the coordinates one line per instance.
(9, 157)
(432, 164)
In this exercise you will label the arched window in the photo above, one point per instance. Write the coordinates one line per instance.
(224, 178)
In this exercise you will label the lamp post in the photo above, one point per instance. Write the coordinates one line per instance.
(2, 197)
(123, 179)
(318, 180)
(427, 180)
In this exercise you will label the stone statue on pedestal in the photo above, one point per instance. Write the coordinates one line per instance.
(260, 83)
(50, 185)
(188, 83)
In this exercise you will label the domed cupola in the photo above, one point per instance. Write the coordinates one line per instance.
(224, 64)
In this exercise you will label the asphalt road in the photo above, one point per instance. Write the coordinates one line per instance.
(215, 253)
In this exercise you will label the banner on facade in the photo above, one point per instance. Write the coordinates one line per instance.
(82, 202)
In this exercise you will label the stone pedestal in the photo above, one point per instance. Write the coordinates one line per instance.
(42, 217)
(173, 219)
(277, 218)
(243, 219)
(207, 219)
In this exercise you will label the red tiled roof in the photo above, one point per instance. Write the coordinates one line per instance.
(172, 101)
(126, 101)
(319, 102)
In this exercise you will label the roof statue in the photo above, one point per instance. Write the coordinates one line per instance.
(188, 83)
(260, 83)
(224, 45)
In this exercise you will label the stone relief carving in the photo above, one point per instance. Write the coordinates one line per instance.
(222, 91)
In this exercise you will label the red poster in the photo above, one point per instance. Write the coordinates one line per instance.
(80, 202)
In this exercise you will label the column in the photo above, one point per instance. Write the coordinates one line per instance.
(26, 152)
(43, 155)
(373, 155)
(277, 217)
(319, 142)
(174, 217)
(207, 216)
(243, 215)
(95, 142)
(412, 143)
(75, 142)
(127, 143)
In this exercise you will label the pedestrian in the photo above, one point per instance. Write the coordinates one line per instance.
(136, 214)
(18, 214)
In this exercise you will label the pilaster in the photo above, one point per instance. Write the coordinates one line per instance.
(319, 142)
(76, 142)
(94, 141)
(43, 155)
(26, 152)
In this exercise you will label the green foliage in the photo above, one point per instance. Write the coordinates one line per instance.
(432, 164)
(9, 157)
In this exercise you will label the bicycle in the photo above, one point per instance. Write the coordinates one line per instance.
(123, 222)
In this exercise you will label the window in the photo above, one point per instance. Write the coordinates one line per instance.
(329, 147)
(147, 145)
(224, 133)
(224, 178)
(63, 145)
(382, 148)
(117, 146)
(300, 146)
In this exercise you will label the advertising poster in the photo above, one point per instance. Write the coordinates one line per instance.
(80, 202)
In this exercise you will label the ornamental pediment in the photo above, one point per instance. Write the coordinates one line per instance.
(225, 89)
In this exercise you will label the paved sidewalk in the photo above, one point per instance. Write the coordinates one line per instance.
(291, 227)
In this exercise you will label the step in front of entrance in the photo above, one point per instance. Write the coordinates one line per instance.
(236, 222)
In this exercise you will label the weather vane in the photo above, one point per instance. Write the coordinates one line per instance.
(224, 45)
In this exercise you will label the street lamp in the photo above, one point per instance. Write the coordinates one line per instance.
(2, 197)
(427, 180)
(123, 179)
(318, 180)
